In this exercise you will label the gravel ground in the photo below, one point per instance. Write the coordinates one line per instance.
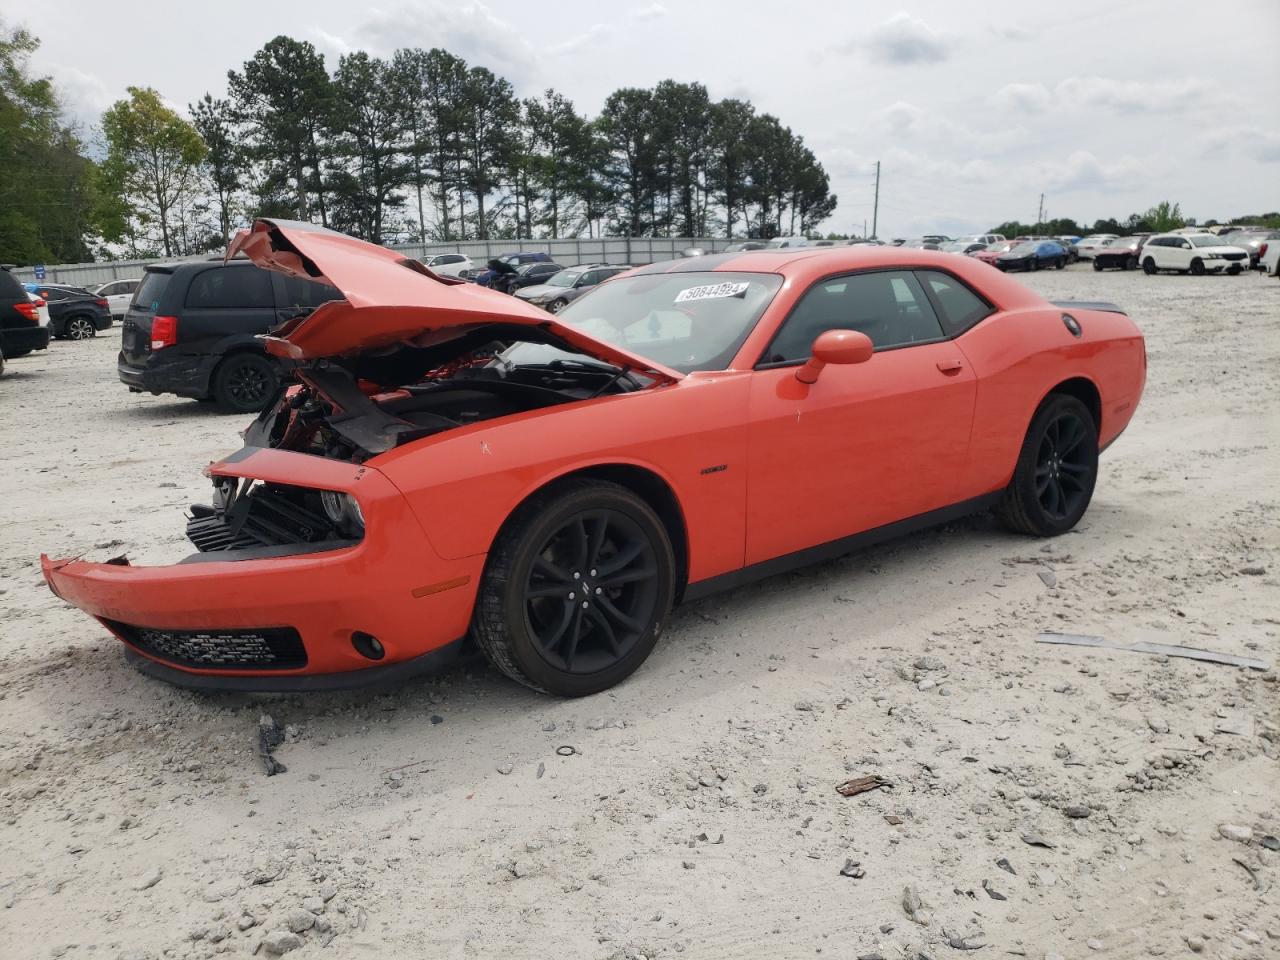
(1044, 801)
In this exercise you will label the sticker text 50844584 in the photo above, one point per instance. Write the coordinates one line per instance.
(712, 291)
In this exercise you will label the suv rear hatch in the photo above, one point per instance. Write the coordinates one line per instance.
(135, 332)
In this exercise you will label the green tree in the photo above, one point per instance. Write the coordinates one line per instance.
(50, 203)
(561, 142)
(628, 126)
(1164, 216)
(215, 122)
(369, 122)
(730, 152)
(155, 156)
(283, 96)
(488, 113)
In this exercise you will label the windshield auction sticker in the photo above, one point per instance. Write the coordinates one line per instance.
(712, 291)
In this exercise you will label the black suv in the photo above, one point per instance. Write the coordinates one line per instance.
(20, 330)
(192, 330)
(74, 313)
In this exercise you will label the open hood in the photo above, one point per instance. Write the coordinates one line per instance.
(392, 299)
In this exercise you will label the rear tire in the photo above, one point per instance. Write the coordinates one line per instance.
(1149, 267)
(1131, 263)
(1056, 472)
(1062, 262)
(245, 382)
(79, 328)
(577, 589)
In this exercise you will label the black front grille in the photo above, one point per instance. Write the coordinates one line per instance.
(264, 516)
(1234, 256)
(263, 648)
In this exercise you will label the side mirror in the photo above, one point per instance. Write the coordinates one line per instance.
(836, 346)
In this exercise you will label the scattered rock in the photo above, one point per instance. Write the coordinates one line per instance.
(281, 941)
(148, 879)
(1253, 570)
(1048, 578)
(852, 869)
(1158, 724)
(1232, 831)
(759, 789)
(1077, 811)
(299, 919)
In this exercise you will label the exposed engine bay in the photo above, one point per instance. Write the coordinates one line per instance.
(355, 408)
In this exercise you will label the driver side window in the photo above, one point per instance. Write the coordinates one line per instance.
(888, 306)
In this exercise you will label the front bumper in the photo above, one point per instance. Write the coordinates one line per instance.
(390, 585)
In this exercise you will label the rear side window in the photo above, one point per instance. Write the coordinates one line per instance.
(10, 287)
(307, 294)
(228, 287)
(151, 290)
(959, 307)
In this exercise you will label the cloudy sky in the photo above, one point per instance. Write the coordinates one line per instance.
(974, 109)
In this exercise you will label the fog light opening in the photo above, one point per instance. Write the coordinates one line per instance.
(367, 645)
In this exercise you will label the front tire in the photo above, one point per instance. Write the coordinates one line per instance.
(1034, 264)
(1056, 471)
(1097, 265)
(555, 306)
(1197, 267)
(245, 382)
(1131, 263)
(1062, 262)
(577, 589)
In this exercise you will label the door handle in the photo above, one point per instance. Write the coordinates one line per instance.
(950, 366)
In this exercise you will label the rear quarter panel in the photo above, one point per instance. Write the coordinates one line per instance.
(463, 484)
(1019, 356)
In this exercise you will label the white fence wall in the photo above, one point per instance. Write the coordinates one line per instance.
(629, 250)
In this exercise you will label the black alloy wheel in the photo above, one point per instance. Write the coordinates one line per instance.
(1097, 264)
(244, 382)
(1034, 263)
(1149, 267)
(1056, 472)
(1131, 263)
(1062, 262)
(80, 328)
(577, 589)
(1197, 267)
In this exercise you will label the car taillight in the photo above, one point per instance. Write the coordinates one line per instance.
(102, 302)
(164, 332)
(1262, 250)
(28, 310)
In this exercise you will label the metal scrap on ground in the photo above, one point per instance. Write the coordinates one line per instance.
(851, 788)
(1160, 649)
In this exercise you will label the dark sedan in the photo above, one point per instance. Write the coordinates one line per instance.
(526, 275)
(74, 313)
(569, 284)
(1034, 255)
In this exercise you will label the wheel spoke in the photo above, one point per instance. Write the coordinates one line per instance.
(1074, 437)
(546, 590)
(550, 644)
(575, 634)
(579, 542)
(552, 571)
(620, 561)
(628, 576)
(606, 631)
(599, 527)
(616, 615)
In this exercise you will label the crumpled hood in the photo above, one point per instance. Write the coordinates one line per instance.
(392, 299)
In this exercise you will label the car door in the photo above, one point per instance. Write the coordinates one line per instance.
(1178, 253)
(866, 444)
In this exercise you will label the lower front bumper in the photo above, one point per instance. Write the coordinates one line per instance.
(391, 674)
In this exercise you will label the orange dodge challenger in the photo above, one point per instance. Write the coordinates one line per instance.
(451, 463)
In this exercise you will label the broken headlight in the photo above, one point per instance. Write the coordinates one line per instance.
(343, 511)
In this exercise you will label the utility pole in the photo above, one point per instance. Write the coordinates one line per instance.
(1040, 212)
(875, 210)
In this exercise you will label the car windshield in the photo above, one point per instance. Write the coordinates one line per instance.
(565, 278)
(1022, 249)
(1205, 240)
(687, 321)
(527, 268)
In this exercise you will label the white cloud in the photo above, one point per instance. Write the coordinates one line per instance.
(331, 42)
(652, 12)
(1082, 171)
(907, 122)
(1102, 93)
(84, 96)
(468, 29)
(902, 39)
(1010, 31)
(592, 34)
(1249, 141)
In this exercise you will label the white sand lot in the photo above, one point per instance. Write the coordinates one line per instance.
(699, 816)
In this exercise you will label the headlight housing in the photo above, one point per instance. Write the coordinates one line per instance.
(343, 511)
(1213, 256)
